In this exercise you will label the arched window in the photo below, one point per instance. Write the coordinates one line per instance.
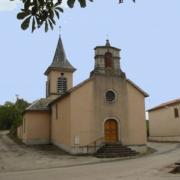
(61, 85)
(108, 60)
(176, 113)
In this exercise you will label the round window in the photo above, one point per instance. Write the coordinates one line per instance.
(110, 96)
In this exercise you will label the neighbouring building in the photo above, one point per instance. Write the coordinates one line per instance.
(164, 122)
(105, 108)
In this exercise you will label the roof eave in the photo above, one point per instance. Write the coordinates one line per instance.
(59, 69)
(138, 88)
(59, 97)
(163, 106)
(70, 91)
(35, 110)
(105, 47)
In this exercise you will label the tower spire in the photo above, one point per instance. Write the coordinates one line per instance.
(60, 61)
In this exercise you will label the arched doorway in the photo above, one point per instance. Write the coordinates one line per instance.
(111, 131)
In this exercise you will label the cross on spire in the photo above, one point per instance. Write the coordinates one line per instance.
(59, 31)
(107, 40)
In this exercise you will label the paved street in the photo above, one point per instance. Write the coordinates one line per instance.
(152, 167)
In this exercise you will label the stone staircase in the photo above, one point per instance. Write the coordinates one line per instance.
(115, 150)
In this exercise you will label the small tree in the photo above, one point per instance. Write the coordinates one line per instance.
(20, 106)
(7, 115)
(11, 114)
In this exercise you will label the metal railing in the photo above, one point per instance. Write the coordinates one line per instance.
(96, 144)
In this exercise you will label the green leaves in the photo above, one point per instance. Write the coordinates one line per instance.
(82, 3)
(21, 15)
(121, 1)
(33, 24)
(25, 23)
(46, 26)
(40, 12)
(70, 3)
(44, 12)
(11, 113)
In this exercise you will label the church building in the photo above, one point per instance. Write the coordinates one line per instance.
(106, 108)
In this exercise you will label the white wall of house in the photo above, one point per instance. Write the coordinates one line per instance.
(164, 123)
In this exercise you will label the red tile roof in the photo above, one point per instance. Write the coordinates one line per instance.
(163, 105)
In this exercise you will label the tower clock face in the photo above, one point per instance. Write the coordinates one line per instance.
(110, 96)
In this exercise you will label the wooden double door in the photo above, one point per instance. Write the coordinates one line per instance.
(111, 131)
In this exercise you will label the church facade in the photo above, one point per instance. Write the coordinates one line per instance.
(105, 108)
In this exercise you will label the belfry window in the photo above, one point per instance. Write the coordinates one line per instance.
(108, 60)
(176, 113)
(61, 85)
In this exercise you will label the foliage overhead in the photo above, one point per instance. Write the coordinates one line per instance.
(44, 12)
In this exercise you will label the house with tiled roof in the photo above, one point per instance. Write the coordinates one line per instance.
(164, 121)
(106, 108)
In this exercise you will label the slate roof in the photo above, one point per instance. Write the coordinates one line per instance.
(39, 105)
(163, 105)
(60, 61)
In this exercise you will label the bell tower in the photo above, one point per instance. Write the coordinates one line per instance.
(107, 60)
(59, 73)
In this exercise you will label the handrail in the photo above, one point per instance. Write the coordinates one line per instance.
(96, 142)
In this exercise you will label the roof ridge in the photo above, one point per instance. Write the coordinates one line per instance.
(164, 104)
(138, 88)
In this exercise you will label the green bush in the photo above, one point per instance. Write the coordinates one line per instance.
(11, 115)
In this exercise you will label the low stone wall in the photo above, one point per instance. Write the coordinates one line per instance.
(164, 138)
(35, 141)
(84, 149)
(75, 150)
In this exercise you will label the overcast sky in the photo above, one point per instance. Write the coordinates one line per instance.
(148, 33)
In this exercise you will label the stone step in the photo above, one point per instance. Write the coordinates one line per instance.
(114, 155)
(118, 152)
(115, 147)
(115, 150)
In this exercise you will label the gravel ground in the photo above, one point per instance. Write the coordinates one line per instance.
(21, 162)
(16, 156)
